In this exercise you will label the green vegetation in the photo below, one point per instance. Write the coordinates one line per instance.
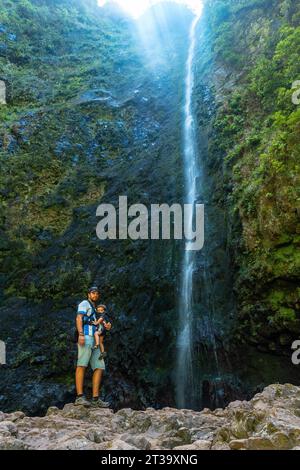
(257, 132)
(51, 53)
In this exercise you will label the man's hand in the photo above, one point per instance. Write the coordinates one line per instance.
(107, 325)
(81, 340)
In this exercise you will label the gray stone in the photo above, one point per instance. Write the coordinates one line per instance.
(141, 442)
(269, 421)
(120, 445)
(197, 445)
(9, 426)
(9, 443)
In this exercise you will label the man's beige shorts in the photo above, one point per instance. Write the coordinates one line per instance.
(87, 355)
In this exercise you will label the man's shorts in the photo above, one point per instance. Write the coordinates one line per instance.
(87, 355)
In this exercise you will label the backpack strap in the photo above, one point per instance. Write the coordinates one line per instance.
(93, 308)
(86, 319)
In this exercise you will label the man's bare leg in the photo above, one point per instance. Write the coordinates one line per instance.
(97, 377)
(79, 379)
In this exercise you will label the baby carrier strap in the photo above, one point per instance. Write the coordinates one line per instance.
(87, 320)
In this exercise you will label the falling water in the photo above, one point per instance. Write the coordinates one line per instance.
(185, 382)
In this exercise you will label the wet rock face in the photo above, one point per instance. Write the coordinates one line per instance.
(249, 316)
(107, 127)
(87, 120)
(271, 420)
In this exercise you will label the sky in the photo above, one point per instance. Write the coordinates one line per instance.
(137, 7)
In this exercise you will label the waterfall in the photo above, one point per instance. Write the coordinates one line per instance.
(184, 379)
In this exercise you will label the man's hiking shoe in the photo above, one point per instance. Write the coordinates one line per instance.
(82, 401)
(100, 404)
(103, 355)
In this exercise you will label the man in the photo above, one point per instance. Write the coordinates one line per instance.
(86, 315)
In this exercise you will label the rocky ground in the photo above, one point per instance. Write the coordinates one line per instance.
(271, 420)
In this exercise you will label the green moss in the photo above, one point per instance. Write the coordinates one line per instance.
(285, 314)
(275, 298)
(256, 135)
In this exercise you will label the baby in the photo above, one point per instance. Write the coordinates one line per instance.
(101, 331)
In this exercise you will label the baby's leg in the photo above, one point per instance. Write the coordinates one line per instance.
(102, 353)
(101, 339)
(97, 339)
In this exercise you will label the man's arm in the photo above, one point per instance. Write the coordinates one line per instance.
(80, 329)
(81, 312)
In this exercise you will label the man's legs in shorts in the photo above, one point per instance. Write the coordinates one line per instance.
(84, 355)
(88, 356)
(98, 366)
(97, 378)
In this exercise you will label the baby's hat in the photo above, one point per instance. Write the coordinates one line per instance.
(102, 305)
